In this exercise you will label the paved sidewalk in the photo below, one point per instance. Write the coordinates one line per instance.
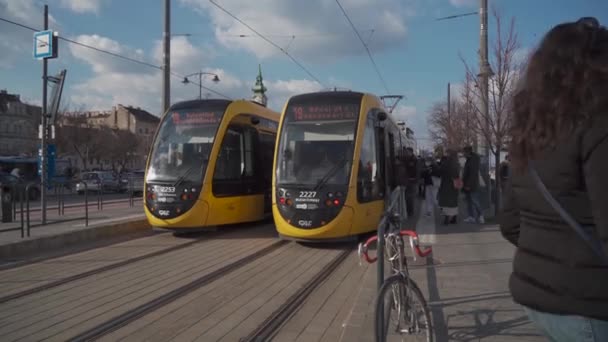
(69, 229)
(465, 283)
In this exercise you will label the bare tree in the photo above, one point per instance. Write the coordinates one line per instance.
(453, 128)
(494, 127)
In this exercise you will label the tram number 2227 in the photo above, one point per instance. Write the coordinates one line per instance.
(308, 194)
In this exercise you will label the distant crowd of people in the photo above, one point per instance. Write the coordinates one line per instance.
(440, 180)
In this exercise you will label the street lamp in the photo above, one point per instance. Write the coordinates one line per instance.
(200, 74)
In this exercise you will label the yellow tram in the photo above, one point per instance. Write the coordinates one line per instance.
(211, 164)
(334, 165)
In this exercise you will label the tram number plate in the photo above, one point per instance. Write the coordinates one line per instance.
(308, 194)
(167, 189)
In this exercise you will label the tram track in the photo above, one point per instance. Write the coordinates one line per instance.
(102, 269)
(96, 271)
(271, 325)
(150, 306)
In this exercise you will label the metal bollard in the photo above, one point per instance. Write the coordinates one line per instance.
(86, 205)
(132, 191)
(27, 201)
(21, 195)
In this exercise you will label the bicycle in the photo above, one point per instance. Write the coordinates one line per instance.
(400, 290)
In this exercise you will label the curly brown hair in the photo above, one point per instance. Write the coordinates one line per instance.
(565, 84)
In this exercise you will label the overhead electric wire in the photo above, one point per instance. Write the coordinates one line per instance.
(457, 16)
(112, 54)
(268, 41)
(365, 46)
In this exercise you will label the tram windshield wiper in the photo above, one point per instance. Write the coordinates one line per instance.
(193, 167)
(330, 173)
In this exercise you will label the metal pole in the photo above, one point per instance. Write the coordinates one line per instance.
(200, 85)
(167, 56)
(43, 162)
(484, 68)
(449, 103)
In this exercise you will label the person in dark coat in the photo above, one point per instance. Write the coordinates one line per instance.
(470, 179)
(408, 177)
(449, 171)
(560, 129)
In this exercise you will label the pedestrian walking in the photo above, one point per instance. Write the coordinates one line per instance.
(470, 179)
(450, 187)
(505, 171)
(412, 171)
(427, 181)
(555, 207)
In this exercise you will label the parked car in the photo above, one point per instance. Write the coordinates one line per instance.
(133, 181)
(8, 183)
(98, 181)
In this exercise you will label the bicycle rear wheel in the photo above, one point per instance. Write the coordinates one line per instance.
(401, 312)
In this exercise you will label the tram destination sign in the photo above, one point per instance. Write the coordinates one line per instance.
(320, 112)
(196, 118)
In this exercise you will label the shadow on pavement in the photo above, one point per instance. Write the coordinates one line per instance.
(485, 324)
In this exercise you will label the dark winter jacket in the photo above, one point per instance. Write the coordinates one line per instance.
(470, 173)
(409, 171)
(447, 196)
(554, 270)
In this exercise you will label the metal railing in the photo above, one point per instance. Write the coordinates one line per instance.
(21, 198)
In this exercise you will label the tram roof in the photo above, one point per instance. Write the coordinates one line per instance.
(344, 95)
(197, 103)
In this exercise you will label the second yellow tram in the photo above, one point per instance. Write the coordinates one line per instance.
(210, 165)
(334, 165)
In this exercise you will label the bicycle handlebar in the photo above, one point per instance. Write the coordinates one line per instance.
(363, 247)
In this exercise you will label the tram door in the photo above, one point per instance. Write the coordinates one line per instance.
(381, 152)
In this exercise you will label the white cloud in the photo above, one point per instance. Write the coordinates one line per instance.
(281, 90)
(102, 63)
(320, 28)
(464, 3)
(82, 6)
(116, 80)
(415, 121)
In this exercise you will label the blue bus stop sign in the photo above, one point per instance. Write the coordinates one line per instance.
(51, 153)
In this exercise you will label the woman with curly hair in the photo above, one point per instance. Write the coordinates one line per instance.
(560, 134)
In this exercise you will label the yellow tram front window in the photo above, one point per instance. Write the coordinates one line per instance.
(317, 143)
(183, 144)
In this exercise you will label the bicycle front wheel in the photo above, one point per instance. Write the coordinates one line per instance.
(401, 312)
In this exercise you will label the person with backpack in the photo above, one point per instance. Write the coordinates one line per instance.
(555, 206)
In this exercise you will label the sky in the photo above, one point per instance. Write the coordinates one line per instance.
(415, 54)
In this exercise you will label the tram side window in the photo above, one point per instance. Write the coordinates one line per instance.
(235, 169)
(267, 142)
(369, 179)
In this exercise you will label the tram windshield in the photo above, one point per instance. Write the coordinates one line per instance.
(183, 144)
(317, 144)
